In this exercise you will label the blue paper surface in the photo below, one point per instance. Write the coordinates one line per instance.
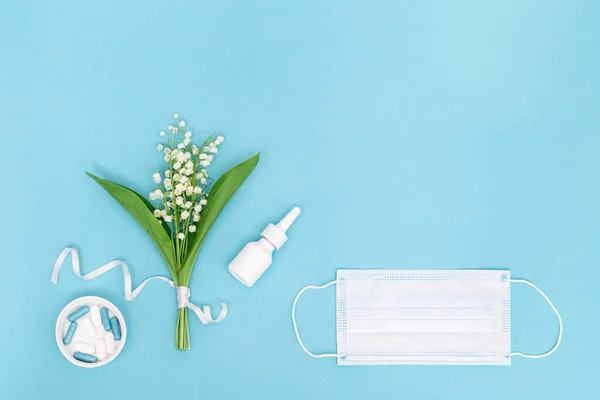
(461, 134)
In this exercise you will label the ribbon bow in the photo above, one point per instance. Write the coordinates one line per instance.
(183, 292)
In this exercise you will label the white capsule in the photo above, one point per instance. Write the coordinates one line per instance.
(100, 332)
(101, 349)
(86, 327)
(85, 348)
(109, 340)
(95, 316)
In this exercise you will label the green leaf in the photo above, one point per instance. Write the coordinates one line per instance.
(142, 211)
(149, 206)
(219, 195)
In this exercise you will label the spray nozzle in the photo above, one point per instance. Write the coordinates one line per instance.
(289, 219)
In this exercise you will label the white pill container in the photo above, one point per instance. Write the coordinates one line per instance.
(87, 334)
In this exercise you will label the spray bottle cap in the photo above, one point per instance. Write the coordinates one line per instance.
(275, 234)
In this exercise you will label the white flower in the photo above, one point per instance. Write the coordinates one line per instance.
(182, 157)
(187, 141)
(157, 213)
(176, 177)
(159, 147)
(203, 181)
(168, 218)
(202, 202)
(177, 165)
(197, 208)
(166, 158)
(188, 204)
(158, 194)
(175, 115)
(197, 190)
(168, 184)
(180, 146)
(189, 164)
(170, 127)
(182, 123)
(185, 215)
(205, 163)
(181, 236)
(167, 151)
(152, 196)
(221, 139)
(196, 218)
(199, 175)
(163, 213)
(168, 173)
(184, 179)
(179, 201)
(156, 177)
(189, 171)
(195, 150)
(162, 133)
(213, 150)
(187, 155)
(209, 158)
(192, 228)
(188, 134)
(189, 190)
(202, 156)
(204, 172)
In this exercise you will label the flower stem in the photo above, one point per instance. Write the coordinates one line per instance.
(182, 335)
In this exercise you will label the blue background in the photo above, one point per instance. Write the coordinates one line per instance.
(458, 134)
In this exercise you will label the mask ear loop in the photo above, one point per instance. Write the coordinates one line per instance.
(560, 323)
(296, 325)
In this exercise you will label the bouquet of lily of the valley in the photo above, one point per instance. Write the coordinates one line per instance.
(183, 211)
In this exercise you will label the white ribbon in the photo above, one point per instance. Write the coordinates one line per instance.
(183, 292)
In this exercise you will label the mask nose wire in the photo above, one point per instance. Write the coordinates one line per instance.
(560, 323)
(296, 325)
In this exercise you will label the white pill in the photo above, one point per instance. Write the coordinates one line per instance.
(86, 327)
(85, 348)
(100, 332)
(109, 340)
(100, 349)
(95, 315)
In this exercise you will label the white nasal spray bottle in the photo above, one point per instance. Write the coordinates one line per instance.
(256, 257)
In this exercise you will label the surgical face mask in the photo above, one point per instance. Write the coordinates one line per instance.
(459, 317)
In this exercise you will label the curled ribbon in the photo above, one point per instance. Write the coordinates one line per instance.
(183, 292)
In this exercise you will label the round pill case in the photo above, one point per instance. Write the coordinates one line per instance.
(91, 339)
